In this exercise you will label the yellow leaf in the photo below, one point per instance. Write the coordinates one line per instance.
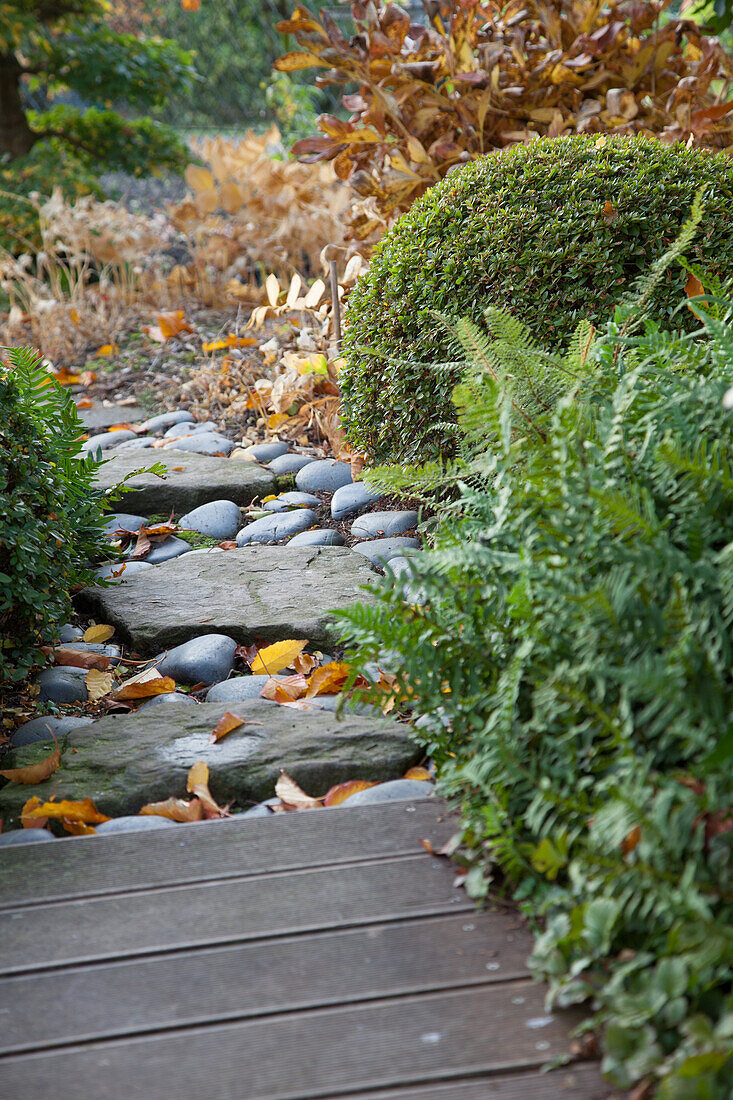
(225, 725)
(198, 178)
(288, 791)
(275, 657)
(177, 809)
(34, 773)
(84, 811)
(98, 684)
(328, 680)
(420, 774)
(106, 350)
(342, 791)
(145, 684)
(272, 286)
(99, 633)
(299, 59)
(198, 784)
(231, 197)
(32, 822)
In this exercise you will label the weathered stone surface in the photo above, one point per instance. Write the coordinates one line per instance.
(324, 476)
(278, 526)
(321, 536)
(122, 762)
(202, 443)
(379, 551)
(174, 698)
(101, 417)
(164, 420)
(191, 480)
(107, 440)
(142, 444)
(286, 501)
(383, 524)
(350, 499)
(289, 464)
(266, 592)
(45, 727)
(204, 660)
(220, 519)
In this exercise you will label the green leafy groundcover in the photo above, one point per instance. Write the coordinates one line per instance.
(554, 232)
(567, 645)
(51, 518)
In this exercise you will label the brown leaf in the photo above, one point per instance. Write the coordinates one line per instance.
(98, 684)
(341, 791)
(78, 658)
(631, 840)
(288, 791)
(176, 809)
(328, 680)
(198, 784)
(225, 725)
(84, 811)
(285, 690)
(144, 685)
(34, 773)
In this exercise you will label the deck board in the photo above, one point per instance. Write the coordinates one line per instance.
(307, 956)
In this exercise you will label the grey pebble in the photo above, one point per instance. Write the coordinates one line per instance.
(350, 499)
(266, 452)
(400, 566)
(237, 689)
(189, 427)
(106, 440)
(25, 836)
(168, 698)
(202, 443)
(287, 501)
(276, 527)
(134, 824)
(326, 475)
(70, 633)
(381, 550)
(207, 659)
(289, 464)
(383, 524)
(124, 521)
(322, 536)
(38, 729)
(106, 571)
(114, 652)
(62, 684)
(391, 792)
(219, 519)
(140, 444)
(165, 420)
(166, 551)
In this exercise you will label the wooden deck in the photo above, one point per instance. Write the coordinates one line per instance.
(311, 955)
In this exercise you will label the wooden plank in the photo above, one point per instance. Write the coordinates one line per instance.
(304, 1056)
(205, 914)
(281, 975)
(95, 865)
(582, 1081)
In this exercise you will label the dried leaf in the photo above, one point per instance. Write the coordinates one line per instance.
(177, 809)
(341, 791)
(328, 680)
(84, 811)
(272, 286)
(99, 633)
(273, 658)
(98, 684)
(285, 690)
(419, 773)
(288, 791)
(225, 725)
(78, 658)
(304, 663)
(32, 822)
(34, 773)
(145, 685)
(198, 784)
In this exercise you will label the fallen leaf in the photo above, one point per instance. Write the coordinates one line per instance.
(85, 403)
(76, 828)
(285, 690)
(177, 809)
(342, 791)
(631, 840)
(198, 784)
(99, 633)
(145, 685)
(32, 822)
(171, 323)
(428, 846)
(693, 286)
(229, 544)
(65, 377)
(328, 680)
(225, 725)
(246, 653)
(34, 773)
(84, 811)
(304, 663)
(419, 773)
(106, 350)
(98, 684)
(275, 657)
(288, 791)
(78, 658)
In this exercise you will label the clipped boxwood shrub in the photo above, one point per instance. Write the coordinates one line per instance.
(51, 516)
(554, 232)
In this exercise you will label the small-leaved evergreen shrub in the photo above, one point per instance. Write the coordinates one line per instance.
(568, 644)
(553, 232)
(51, 518)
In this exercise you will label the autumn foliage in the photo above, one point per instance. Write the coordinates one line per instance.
(483, 75)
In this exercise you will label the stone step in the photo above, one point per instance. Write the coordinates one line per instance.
(124, 761)
(263, 592)
(101, 417)
(191, 480)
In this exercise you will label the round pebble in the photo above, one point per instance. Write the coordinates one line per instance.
(25, 836)
(165, 420)
(141, 444)
(383, 524)
(266, 452)
(391, 792)
(276, 527)
(168, 698)
(120, 570)
(166, 551)
(289, 464)
(189, 427)
(45, 727)
(286, 501)
(206, 660)
(326, 475)
(62, 684)
(136, 824)
(322, 536)
(70, 633)
(123, 521)
(237, 688)
(202, 443)
(350, 499)
(219, 519)
(106, 440)
(379, 551)
(261, 809)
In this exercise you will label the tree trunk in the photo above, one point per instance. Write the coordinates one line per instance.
(16, 136)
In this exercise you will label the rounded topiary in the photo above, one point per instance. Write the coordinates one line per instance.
(555, 231)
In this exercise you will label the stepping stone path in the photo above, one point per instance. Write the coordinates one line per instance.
(187, 609)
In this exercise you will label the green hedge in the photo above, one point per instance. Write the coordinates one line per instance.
(553, 232)
(568, 648)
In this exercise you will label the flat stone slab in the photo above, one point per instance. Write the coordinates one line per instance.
(123, 761)
(268, 592)
(192, 480)
(100, 417)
